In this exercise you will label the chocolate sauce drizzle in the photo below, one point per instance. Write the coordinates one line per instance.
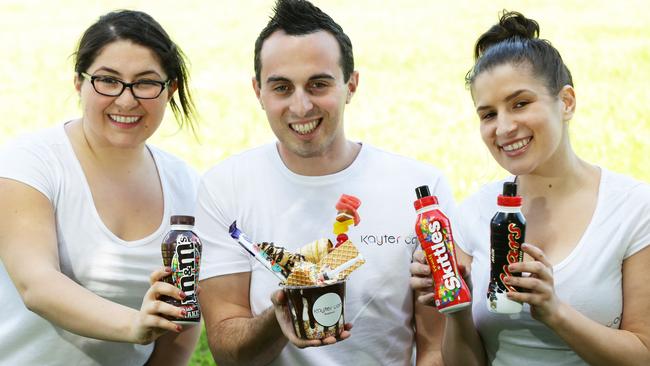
(298, 296)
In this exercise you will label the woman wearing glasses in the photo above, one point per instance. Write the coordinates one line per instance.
(85, 206)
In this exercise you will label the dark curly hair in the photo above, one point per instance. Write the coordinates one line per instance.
(515, 40)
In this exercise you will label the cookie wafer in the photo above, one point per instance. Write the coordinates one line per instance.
(301, 276)
(340, 255)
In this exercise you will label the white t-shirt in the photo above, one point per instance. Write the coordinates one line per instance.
(90, 254)
(271, 203)
(589, 278)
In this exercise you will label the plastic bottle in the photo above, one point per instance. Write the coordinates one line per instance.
(181, 250)
(507, 233)
(434, 233)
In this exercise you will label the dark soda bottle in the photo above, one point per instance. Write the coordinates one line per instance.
(181, 250)
(507, 233)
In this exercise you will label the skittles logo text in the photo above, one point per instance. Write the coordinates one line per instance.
(514, 234)
(438, 252)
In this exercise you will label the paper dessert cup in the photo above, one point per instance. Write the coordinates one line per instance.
(317, 312)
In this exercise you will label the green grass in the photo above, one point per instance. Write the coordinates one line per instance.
(412, 56)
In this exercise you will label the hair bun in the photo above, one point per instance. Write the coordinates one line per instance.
(511, 25)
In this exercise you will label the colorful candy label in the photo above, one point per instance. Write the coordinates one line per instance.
(185, 266)
(437, 242)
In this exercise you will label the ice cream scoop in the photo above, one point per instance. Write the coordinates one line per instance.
(316, 250)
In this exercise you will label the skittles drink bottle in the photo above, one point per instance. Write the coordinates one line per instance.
(433, 229)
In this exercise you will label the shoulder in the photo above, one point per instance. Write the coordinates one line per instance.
(486, 195)
(622, 190)
(37, 159)
(40, 141)
(399, 164)
(42, 150)
(481, 204)
(248, 160)
(172, 162)
(175, 171)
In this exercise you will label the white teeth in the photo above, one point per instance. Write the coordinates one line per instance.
(305, 128)
(124, 119)
(517, 145)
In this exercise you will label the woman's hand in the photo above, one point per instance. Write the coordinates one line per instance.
(149, 323)
(544, 303)
(281, 307)
(421, 281)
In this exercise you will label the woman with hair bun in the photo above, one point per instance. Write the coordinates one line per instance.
(585, 272)
(85, 207)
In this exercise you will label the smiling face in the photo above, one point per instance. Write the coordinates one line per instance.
(522, 124)
(122, 121)
(303, 93)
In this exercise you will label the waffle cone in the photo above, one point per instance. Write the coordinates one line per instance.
(340, 255)
(300, 277)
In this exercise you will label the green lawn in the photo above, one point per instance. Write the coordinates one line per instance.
(412, 56)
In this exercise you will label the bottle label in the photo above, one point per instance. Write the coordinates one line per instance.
(434, 234)
(514, 254)
(507, 232)
(185, 267)
(439, 252)
(327, 309)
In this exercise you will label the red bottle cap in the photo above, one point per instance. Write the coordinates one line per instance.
(425, 201)
(509, 201)
(509, 198)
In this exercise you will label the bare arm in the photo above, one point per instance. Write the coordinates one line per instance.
(175, 348)
(428, 335)
(28, 249)
(594, 342)
(236, 337)
(461, 343)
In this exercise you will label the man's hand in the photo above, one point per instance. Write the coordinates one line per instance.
(281, 307)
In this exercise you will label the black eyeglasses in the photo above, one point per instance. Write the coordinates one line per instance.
(113, 87)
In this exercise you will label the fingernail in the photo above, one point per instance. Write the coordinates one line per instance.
(168, 269)
(506, 280)
(179, 328)
(183, 313)
(182, 295)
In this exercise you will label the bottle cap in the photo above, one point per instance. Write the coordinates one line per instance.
(509, 197)
(182, 220)
(422, 191)
(425, 201)
(510, 189)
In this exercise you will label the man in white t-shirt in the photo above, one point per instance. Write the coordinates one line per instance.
(285, 192)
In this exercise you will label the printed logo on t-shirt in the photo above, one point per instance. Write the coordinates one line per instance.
(387, 239)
